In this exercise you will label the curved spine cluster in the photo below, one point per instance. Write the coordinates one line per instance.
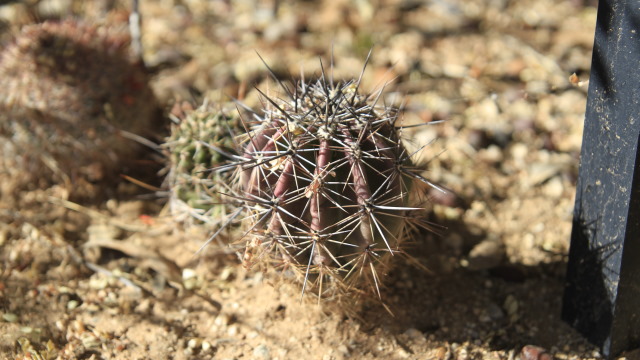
(324, 182)
(199, 138)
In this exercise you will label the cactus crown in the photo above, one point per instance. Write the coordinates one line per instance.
(323, 182)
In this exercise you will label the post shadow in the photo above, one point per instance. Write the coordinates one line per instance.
(602, 294)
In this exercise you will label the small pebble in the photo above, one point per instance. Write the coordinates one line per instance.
(206, 346)
(554, 188)
(414, 334)
(10, 317)
(402, 353)
(233, 331)
(188, 274)
(222, 320)
(194, 343)
(478, 139)
(494, 311)
(511, 307)
(344, 350)
(98, 282)
(518, 153)
(492, 154)
(531, 352)
(72, 304)
(486, 255)
(261, 352)
(89, 340)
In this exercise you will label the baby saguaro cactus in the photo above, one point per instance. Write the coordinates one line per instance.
(324, 182)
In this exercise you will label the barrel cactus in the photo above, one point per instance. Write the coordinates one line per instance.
(71, 99)
(199, 140)
(323, 184)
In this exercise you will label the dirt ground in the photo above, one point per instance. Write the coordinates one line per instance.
(117, 277)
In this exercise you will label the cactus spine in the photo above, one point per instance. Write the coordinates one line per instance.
(198, 139)
(324, 183)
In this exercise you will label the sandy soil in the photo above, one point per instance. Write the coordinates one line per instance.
(116, 277)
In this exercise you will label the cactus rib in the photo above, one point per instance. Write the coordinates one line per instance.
(324, 182)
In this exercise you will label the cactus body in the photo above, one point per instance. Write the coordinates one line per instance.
(324, 181)
(67, 93)
(198, 139)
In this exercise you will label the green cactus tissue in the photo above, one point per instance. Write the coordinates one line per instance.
(199, 139)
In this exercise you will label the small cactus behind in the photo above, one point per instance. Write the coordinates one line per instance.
(69, 96)
(324, 184)
(199, 139)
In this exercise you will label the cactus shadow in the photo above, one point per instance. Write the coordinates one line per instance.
(503, 308)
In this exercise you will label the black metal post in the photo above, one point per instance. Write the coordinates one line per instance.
(602, 296)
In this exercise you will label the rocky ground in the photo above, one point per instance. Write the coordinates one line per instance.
(117, 277)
